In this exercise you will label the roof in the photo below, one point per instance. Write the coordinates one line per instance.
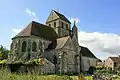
(99, 60)
(61, 42)
(86, 52)
(114, 59)
(58, 43)
(61, 16)
(37, 29)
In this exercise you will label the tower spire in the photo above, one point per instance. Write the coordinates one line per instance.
(74, 22)
(75, 30)
(74, 25)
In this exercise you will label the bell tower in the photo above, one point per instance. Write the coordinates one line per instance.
(59, 23)
(75, 30)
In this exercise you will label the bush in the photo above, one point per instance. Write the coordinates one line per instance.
(113, 72)
(91, 70)
(118, 73)
(99, 68)
(99, 72)
(3, 53)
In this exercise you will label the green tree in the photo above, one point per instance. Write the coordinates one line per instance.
(3, 53)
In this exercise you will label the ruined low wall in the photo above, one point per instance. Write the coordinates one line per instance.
(45, 68)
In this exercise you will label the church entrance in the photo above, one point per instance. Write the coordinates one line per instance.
(14, 67)
(55, 62)
(77, 63)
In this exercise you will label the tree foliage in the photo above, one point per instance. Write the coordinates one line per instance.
(3, 53)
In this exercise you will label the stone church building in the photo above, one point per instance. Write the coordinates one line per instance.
(49, 48)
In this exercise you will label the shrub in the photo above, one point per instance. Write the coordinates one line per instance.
(91, 70)
(103, 71)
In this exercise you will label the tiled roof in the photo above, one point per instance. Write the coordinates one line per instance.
(86, 52)
(58, 43)
(62, 16)
(99, 60)
(61, 42)
(37, 29)
(114, 59)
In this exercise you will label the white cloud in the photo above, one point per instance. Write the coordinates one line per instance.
(77, 20)
(104, 43)
(16, 31)
(31, 14)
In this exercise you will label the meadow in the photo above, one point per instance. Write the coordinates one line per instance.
(5, 75)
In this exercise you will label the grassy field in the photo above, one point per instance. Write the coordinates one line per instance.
(88, 78)
(5, 75)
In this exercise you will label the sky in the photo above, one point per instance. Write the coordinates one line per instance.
(98, 21)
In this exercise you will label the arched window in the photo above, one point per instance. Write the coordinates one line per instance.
(24, 46)
(54, 59)
(67, 26)
(54, 24)
(50, 25)
(34, 46)
(76, 58)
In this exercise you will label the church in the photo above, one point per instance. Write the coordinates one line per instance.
(49, 48)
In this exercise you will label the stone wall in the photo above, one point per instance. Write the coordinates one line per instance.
(88, 62)
(16, 48)
(45, 68)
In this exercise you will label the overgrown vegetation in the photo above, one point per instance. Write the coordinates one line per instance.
(88, 78)
(3, 53)
(115, 74)
(5, 75)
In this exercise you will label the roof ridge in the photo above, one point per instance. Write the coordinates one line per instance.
(63, 37)
(114, 58)
(57, 12)
(42, 24)
(61, 16)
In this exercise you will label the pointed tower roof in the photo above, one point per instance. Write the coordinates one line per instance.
(74, 26)
(61, 16)
(58, 16)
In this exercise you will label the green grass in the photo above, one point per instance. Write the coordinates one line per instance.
(5, 75)
(88, 77)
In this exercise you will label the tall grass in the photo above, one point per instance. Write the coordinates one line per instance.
(88, 78)
(5, 75)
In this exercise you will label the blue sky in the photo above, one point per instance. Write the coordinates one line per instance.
(102, 16)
